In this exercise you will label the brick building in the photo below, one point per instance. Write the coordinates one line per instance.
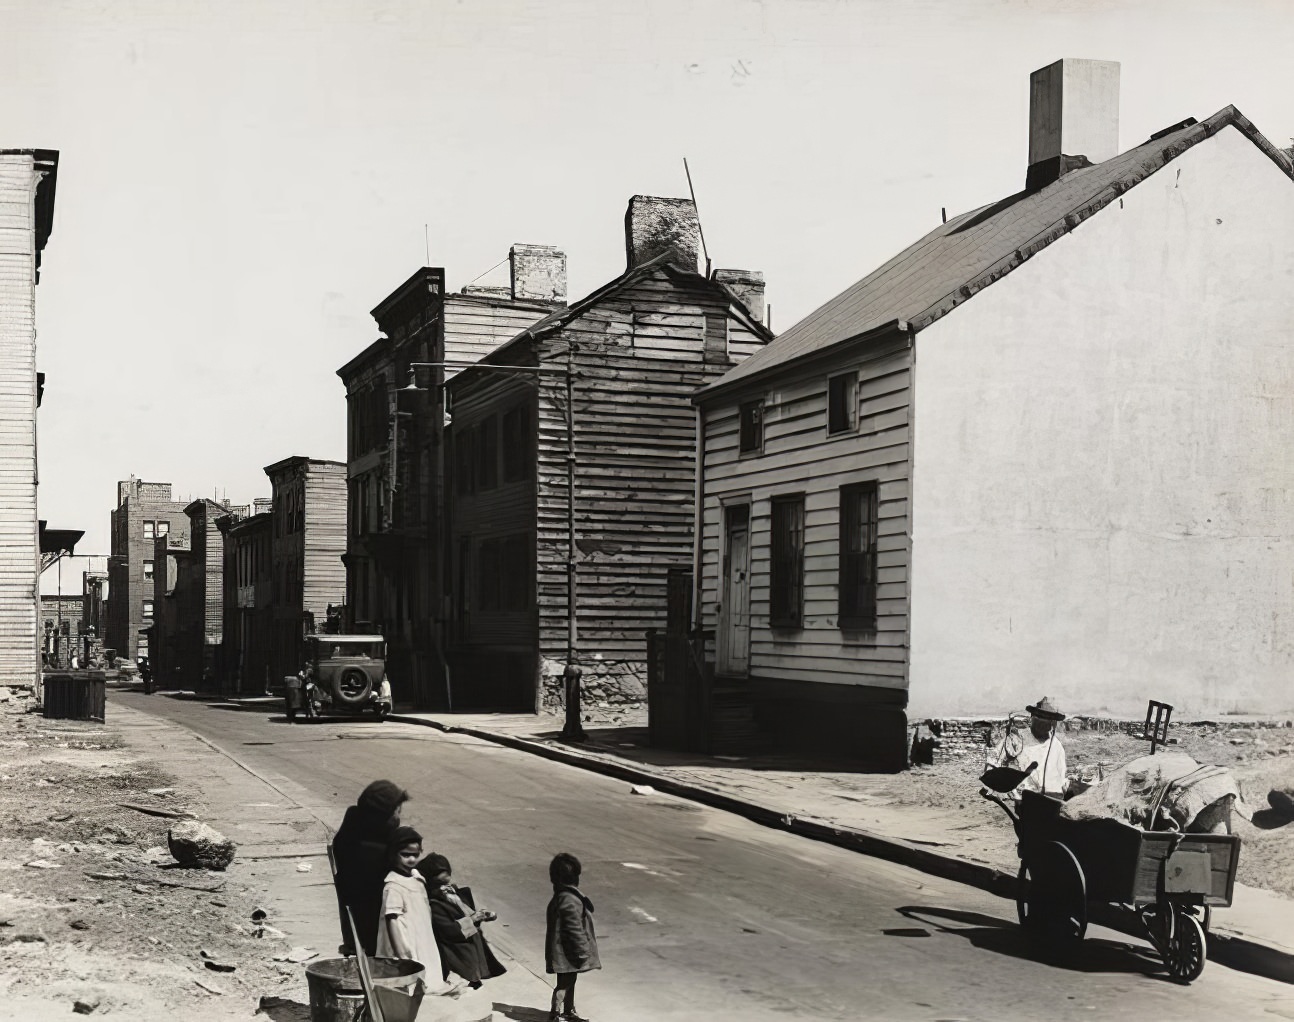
(61, 630)
(171, 556)
(395, 467)
(144, 511)
(27, 181)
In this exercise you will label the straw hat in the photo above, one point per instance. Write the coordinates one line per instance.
(1045, 710)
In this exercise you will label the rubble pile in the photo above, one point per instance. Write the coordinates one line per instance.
(1165, 791)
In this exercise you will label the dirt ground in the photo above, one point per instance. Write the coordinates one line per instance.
(93, 910)
(1260, 757)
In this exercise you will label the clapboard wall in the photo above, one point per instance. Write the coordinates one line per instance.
(19, 659)
(798, 457)
(475, 325)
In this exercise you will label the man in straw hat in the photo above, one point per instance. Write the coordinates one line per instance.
(1040, 746)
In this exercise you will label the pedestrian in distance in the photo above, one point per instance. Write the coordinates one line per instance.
(456, 921)
(571, 944)
(360, 860)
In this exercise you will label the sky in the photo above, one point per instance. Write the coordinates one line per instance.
(241, 182)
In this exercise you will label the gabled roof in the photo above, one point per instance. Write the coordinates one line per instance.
(968, 253)
(559, 318)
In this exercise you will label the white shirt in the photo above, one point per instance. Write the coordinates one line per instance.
(1019, 749)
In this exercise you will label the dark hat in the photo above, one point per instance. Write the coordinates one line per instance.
(1045, 710)
(402, 836)
(383, 797)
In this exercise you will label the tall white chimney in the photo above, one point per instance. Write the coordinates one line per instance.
(1073, 118)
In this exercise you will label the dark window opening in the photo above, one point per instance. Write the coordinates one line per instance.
(516, 444)
(487, 454)
(842, 393)
(751, 427)
(786, 577)
(464, 457)
(859, 522)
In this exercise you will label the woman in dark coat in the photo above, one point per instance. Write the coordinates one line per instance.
(456, 922)
(360, 863)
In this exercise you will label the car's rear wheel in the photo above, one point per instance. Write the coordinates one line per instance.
(351, 687)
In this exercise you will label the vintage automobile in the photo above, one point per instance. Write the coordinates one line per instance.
(343, 674)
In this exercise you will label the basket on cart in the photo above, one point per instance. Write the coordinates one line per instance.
(1170, 881)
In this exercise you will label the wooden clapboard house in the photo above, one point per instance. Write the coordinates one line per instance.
(1032, 453)
(609, 475)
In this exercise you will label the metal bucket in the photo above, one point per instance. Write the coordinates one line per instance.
(337, 996)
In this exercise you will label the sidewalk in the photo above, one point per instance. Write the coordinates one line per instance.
(971, 843)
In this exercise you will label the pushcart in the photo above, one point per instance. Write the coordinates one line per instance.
(1167, 882)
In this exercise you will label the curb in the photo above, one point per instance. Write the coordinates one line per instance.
(1240, 953)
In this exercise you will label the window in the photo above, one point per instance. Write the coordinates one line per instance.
(148, 571)
(858, 529)
(148, 608)
(786, 580)
(487, 575)
(516, 444)
(502, 580)
(487, 454)
(149, 528)
(750, 432)
(464, 457)
(842, 403)
(716, 338)
(163, 528)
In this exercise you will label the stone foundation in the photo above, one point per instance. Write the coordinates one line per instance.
(933, 740)
(603, 683)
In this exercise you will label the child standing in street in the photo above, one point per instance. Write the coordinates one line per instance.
(571, 943)
(404, 930)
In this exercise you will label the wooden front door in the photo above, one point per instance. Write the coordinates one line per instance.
(734, 611)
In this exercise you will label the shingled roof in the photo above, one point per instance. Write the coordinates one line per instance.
(968, 253)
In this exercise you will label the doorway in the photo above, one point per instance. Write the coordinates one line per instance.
(733, 652)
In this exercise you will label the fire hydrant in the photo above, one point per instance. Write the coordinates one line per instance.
(573, 730)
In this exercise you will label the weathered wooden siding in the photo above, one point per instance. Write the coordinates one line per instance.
(323, 574)
(19, 657)
(800, 458)
(639, 358)
(475, 326)
(506, 510)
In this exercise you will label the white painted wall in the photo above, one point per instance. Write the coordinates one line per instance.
(1103, 496)
(19, 557)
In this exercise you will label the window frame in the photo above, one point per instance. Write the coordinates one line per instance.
(148, 608)
(850, 403)
(150, 528)
(150, 569)
(857, 561)
(786, 542)
(755, 430)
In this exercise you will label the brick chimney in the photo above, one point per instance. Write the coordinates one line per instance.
(747, 287)
(538, 273)
(1073, 118)
(654, 225)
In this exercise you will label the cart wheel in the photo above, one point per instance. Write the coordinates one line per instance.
(1051, 896)
(1186, 951)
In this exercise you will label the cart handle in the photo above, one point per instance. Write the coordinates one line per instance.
(999, 800)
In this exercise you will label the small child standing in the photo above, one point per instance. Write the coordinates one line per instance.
(404, 930)
(571, 943)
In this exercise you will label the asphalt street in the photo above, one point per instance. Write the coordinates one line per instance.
(701, 914)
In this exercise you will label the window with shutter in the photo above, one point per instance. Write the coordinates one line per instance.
(750, 430)
(786, 579)
(859, 524)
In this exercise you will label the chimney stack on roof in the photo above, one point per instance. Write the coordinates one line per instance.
(538, 273)
(1073, 118)
(262, 505)
(654, 225)
(747, 286)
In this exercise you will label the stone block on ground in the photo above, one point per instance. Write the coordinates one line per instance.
(199, 846)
